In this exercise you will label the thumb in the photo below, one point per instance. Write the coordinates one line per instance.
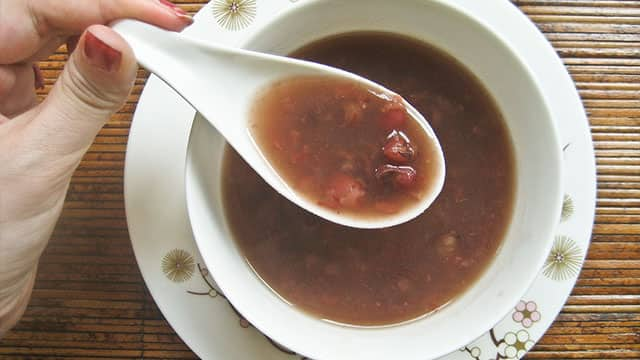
(94, 84)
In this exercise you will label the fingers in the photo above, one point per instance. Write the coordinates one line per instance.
(17, 89)
(94, 84)
(42, 25)
(73, 16)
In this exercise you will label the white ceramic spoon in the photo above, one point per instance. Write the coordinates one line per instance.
(221, 83)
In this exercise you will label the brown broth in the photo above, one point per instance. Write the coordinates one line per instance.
(386, 276)
(344, 146)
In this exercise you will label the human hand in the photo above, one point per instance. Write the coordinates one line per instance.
(42, 144)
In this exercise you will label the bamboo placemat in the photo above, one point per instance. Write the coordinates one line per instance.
(90, 300)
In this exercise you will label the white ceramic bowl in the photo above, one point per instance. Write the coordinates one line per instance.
(459, 28)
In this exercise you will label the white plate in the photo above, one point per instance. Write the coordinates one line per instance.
(168, 256)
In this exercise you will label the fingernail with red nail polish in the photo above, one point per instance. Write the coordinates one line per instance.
(179, 12)
(100, 54)
(187, 19)
(183, 16)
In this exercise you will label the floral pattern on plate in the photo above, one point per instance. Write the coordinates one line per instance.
(234, 15)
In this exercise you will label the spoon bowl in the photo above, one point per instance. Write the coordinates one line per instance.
(221, 84)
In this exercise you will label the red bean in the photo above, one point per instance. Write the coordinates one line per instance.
(345, 190)
(398, 149)
(406, 177)
(403, 176)
(394, 114)
(393, 119)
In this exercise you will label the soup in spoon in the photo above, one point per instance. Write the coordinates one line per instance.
(344, 146)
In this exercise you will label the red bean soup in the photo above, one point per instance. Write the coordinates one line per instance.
(355, 151)
(344, 146)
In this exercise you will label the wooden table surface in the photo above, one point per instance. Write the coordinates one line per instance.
(90, 300)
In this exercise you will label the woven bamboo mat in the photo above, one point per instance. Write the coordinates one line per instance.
(90, 300)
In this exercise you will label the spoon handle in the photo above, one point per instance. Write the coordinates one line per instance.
(197, 71)
(160, 51)
(219, 82)
(148, 42)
